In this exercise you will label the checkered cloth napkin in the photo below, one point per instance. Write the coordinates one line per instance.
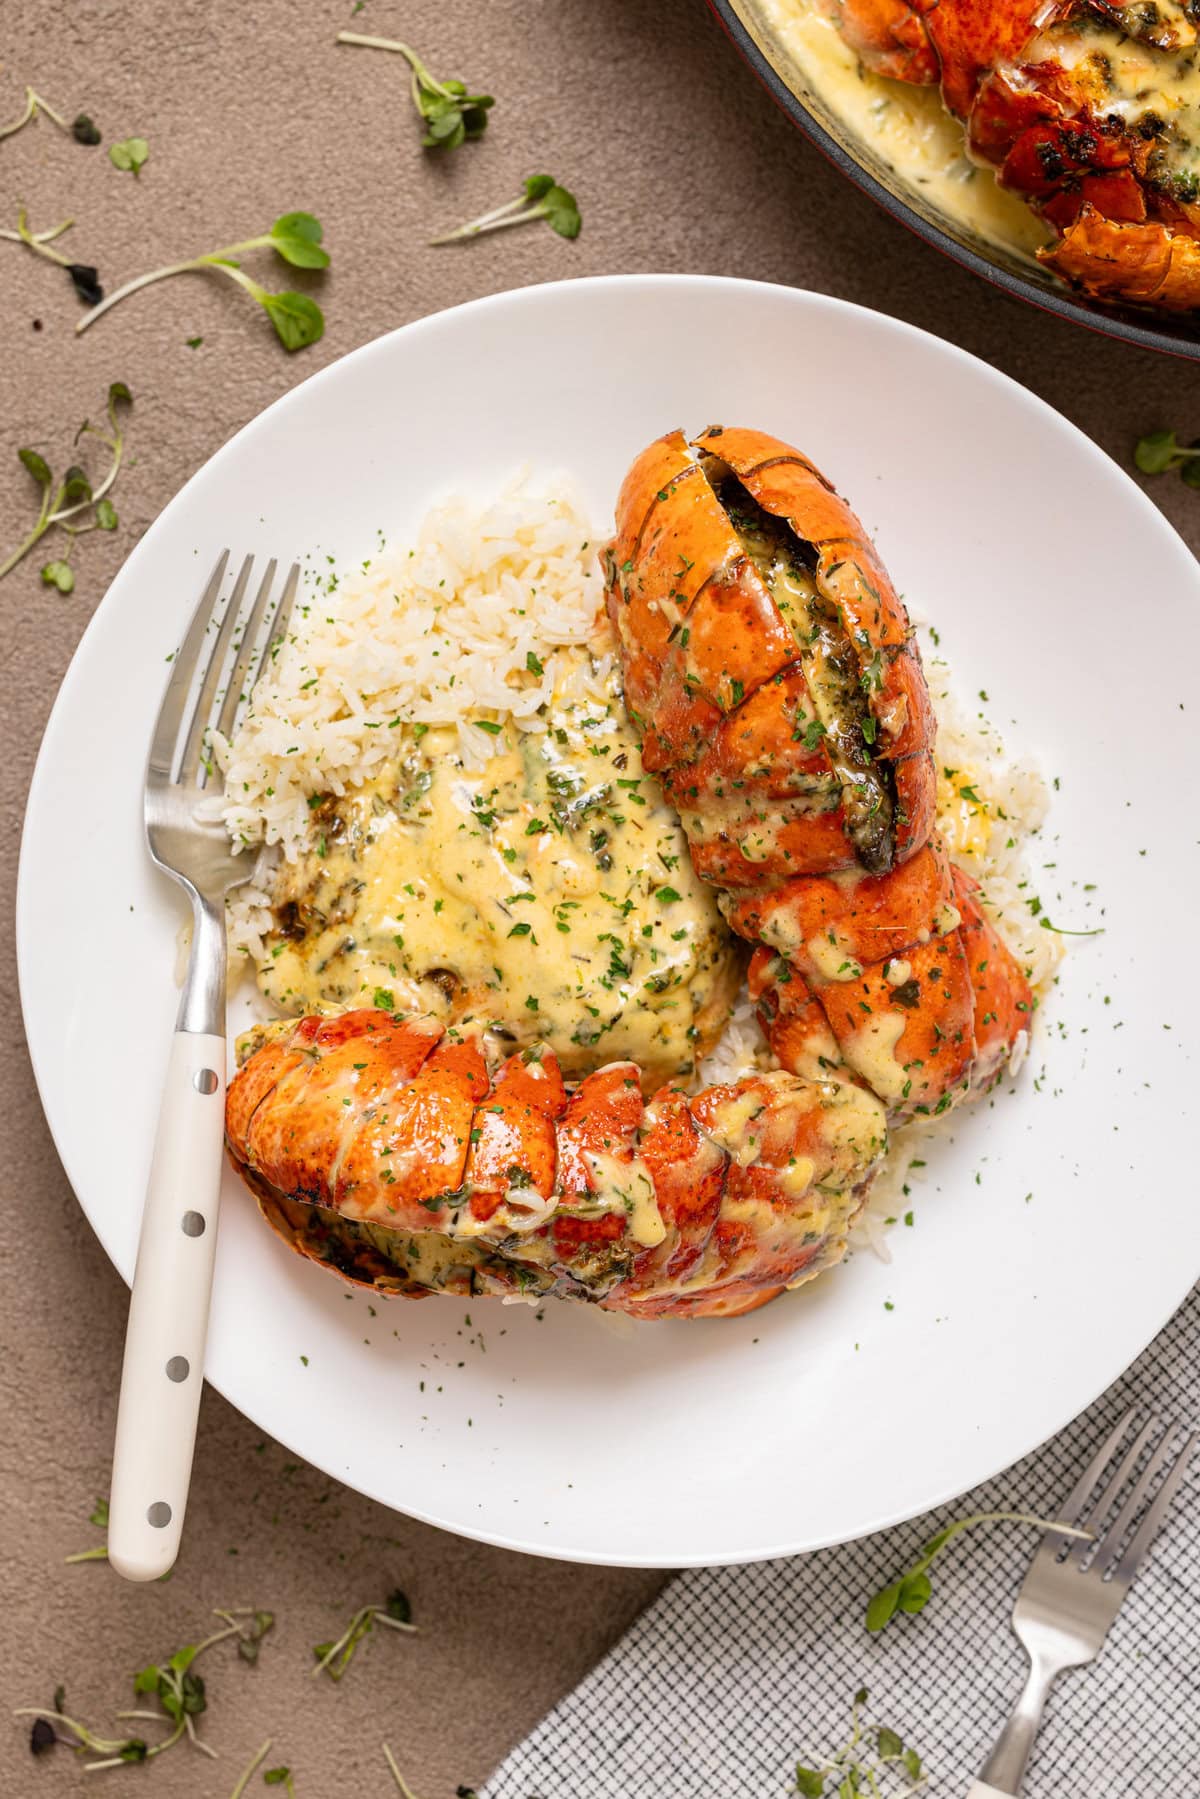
(735, 1674)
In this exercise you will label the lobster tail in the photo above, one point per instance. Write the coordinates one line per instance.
(772, 667)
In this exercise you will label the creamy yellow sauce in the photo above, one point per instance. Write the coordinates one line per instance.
(905, 127)
(547, 893)
(1137, 81)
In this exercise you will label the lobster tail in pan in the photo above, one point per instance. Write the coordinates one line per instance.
(773, 672)
(1087, 108)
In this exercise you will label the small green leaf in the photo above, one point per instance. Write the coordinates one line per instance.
(296, 236)
(1189, 474)
(277, 1777)
(99, 1516)
(861, 1697)
(129, 154)
(193, 343)
(384, 1000)
(106, 515)
(183, 1658)
(119, 395)
(667, 895)
(37, 465)
(1155, 453)
(133, 1751)
(146, 1680)
(490, 726)
(397, 1607)
(84, 131)
(562, 213)
(912, 1764)
(298, 321)
(533, 665)
(882, 1608)
(810, 1782)
(889, 1745)
(58, 574)
(914, 1592)
(76, 485)
(538, 186)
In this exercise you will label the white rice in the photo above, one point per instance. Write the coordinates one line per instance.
(455, 625)
(434, 632)
(992, 835)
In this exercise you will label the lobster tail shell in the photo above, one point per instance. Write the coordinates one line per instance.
(871, 961)
(399, 1157)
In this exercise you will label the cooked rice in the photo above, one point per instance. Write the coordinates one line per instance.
(451, 626)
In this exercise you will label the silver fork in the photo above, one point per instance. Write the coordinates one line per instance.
(222, 655)
(1074, 1588)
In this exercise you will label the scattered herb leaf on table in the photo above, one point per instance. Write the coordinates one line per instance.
(74, 495)
(295, 236)
(452, 115)
(1160, 451)
(541, 198)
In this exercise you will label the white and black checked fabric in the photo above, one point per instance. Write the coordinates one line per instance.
(735, 1674)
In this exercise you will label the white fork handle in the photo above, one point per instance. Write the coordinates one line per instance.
(981, 1790)
(163, 1370)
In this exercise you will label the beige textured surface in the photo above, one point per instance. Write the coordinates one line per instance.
(679, 163)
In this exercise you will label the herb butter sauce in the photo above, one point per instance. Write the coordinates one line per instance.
(547, 892)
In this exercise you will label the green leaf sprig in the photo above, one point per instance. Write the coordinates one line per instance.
(910, 1591)
(295, 236)
(273, 1777)
(99, 1513)
(85, 279)
(179, 1691)
(334, 1658)
(452, 115)
(1161, 451)
(402, 1785)
(865, 1764)
(74, 496)
(541, 198)
(34, 107)
(129, 154)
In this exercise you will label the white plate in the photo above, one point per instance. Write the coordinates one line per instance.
(1056, 586)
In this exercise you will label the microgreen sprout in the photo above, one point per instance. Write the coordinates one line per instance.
(84, 277)
(452, 116)
(334, 1658)
(296, 237)
(244, 1778)
(541, 198)
(34, 105)
(910, 1591)
(1161, 451)
(74, 496)
(84, 129)
(278, 1777)
(867, 1759)
(99, 1514)
(179, 1692)
(129, 154)
(402, 1785)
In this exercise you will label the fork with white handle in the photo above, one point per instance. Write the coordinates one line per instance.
(225, 649)
(1074, 1589)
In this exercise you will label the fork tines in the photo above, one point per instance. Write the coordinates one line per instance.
(224, 652)
(1125, 1512)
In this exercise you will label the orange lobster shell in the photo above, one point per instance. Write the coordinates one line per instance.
(390, 1151)
(889, 975)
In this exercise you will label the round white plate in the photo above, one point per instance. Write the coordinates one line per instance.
(1057, 1233)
